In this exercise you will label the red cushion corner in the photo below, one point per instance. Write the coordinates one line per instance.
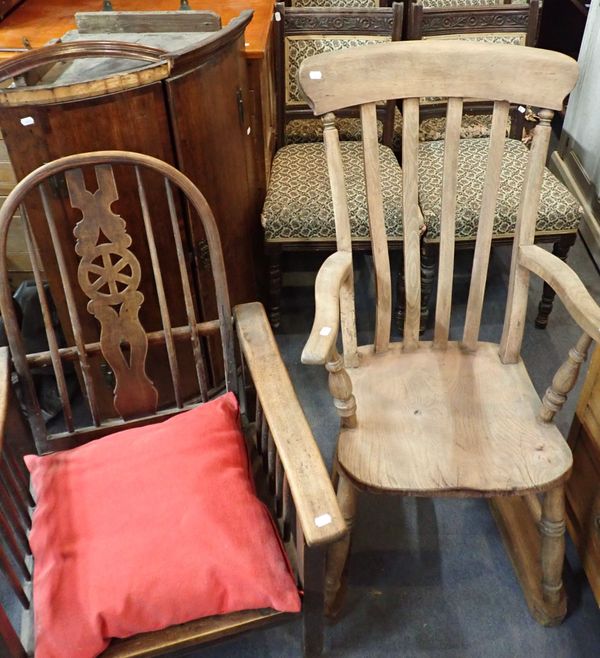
(151, 527)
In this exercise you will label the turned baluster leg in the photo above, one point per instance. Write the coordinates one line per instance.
(340, 387)
(428, 261)
(274, 258)
(338, 552)
(552, 528)
(560, 249)
(564, 380)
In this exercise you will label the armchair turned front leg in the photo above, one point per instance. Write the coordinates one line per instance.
(552, 529)
(338, 553)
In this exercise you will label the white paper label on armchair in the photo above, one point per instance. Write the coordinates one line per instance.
(315, 75)
(27, 121)
(277, 16)
(323, 520)
(325, 331)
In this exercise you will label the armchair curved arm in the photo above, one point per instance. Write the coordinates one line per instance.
(323, 335)
(567, 285)
(307, 476)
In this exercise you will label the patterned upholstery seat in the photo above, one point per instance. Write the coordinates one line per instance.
(559, 212)
(299, 206)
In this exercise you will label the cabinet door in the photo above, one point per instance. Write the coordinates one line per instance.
(211, 119)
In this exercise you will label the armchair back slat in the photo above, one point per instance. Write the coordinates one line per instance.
(485, 228)
(412, 221)
(381, 258)
(448, 223)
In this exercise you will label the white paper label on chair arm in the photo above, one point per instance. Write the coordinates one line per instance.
(325, 331)
(323, 520)
(315, 75)
(27, 121)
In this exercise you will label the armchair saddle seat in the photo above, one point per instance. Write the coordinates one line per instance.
(299, 204)
(559, 211)
(405, 440)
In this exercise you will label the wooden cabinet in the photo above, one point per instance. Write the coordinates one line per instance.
(190, 109)
(583, 488)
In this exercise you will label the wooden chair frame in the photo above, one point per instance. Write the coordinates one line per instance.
(290, 471)
(306, 21)
(367, 445)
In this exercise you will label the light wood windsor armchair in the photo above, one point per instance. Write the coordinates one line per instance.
(449, 417)
(112, 272)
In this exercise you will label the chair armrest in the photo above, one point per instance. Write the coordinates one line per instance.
(308, 480)
(323, 335)
(567, 285)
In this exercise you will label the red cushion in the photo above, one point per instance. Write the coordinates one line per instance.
(151, 527)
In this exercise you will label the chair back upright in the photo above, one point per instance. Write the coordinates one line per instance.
(453, 71)
(304, 31)
(131, 332)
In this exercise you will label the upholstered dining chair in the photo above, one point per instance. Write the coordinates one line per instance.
(559, 214)
(297, 214)
(148, 537)
(451, 418)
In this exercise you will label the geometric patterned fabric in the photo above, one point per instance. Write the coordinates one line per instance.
(558, 211)
(299, 206)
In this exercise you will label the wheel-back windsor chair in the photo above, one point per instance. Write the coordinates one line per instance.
(448, 417)
(112, 271)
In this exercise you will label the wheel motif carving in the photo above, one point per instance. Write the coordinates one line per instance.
(109, 281)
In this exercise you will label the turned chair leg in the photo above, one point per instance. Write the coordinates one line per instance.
(560, 249)
(552, 529)
(274, 254)
(428, 261)
(338, 553)
(313, 602)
